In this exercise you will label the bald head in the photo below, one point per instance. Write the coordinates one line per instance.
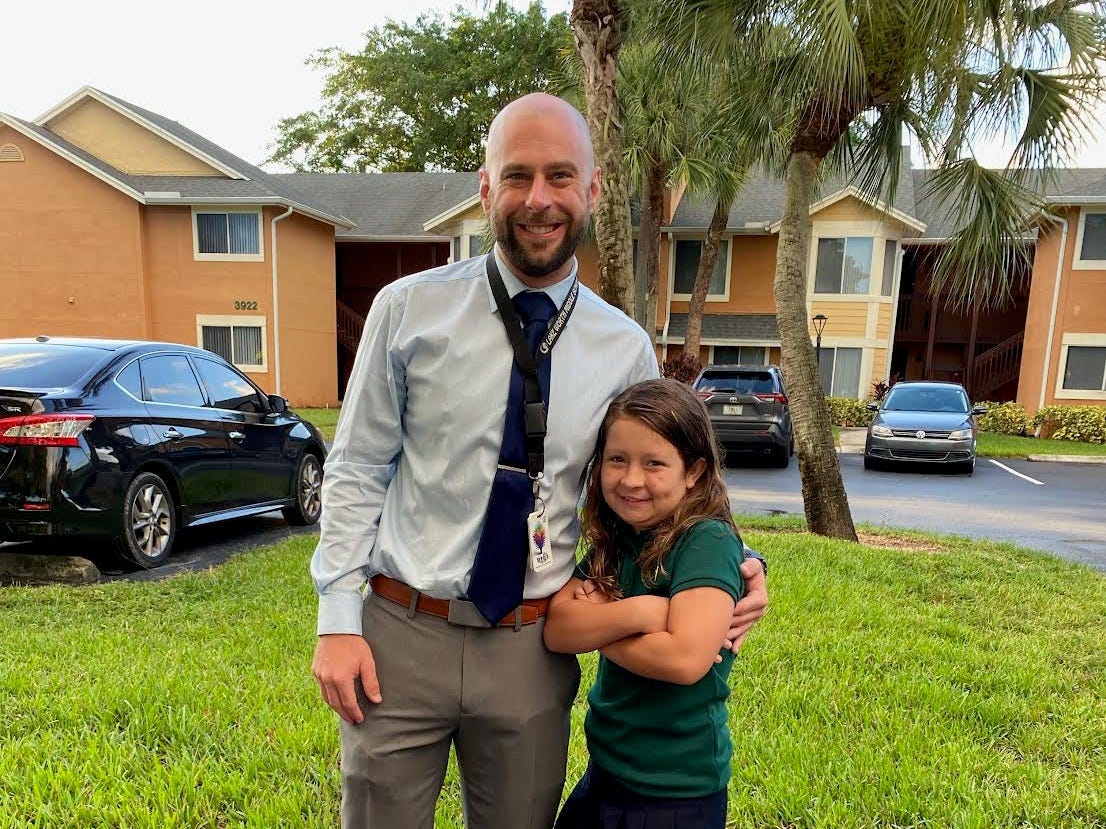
(539, 112)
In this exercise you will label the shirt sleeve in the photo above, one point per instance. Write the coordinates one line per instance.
(709, 555)
(359, 468)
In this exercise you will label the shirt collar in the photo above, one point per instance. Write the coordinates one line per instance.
(558, 291)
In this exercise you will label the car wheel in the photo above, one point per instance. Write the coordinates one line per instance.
(780, 457)
(872, 463)
(149, 522)
(308, 505)
(967, 467)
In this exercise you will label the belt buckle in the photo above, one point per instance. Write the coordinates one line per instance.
(465, 614)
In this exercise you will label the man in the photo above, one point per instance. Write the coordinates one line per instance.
(427, 657)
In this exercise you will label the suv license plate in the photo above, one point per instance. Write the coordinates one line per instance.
(731, 410)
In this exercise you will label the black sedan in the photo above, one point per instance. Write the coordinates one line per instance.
(923, 422)
(131, 440)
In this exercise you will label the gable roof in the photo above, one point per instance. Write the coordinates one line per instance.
(387, 206)
(758, 207)
(244, 183)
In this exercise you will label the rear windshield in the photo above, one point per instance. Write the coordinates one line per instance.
(739, 382)
(907, 399)
(44, 366)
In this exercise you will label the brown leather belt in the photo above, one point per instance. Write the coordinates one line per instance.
(458, 611)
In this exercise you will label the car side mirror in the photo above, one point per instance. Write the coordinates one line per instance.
(873, 407)
(977, 410)
(278, 404)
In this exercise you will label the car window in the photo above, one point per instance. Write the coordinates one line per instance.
(45, 366)
(228, 388)
(739, 382)
(130, 379)
(168, 378)
(932, 399)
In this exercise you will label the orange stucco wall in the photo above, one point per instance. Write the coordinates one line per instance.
(70, 250)
(1079, 310)
(181, 289)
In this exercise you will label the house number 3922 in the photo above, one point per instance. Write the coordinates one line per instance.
(245, 305)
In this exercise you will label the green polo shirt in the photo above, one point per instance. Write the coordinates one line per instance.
(657, 738)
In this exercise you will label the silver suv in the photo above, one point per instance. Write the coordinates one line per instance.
(748, 409)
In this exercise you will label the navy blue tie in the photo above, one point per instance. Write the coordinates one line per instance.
(498, 572)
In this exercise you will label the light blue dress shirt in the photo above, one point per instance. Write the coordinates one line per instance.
(408, 478)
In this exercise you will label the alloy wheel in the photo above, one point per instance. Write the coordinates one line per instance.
(310, 488)
(151, 521)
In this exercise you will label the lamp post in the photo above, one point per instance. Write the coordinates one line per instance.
(819, 321)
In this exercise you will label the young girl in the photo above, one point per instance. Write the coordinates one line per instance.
(654, 594)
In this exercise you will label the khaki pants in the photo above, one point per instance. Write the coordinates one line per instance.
(496, 693)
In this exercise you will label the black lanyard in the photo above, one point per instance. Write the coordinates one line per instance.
(533, 407)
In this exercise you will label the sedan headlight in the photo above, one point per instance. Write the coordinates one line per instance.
(961, 434)
(881, 431)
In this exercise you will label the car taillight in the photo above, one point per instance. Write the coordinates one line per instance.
(773, 397)
(43, 429)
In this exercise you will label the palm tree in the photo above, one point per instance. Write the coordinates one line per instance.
(856, 75)
(598, 31)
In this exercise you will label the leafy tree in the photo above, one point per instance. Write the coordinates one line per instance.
(855, 75)
(421, 96)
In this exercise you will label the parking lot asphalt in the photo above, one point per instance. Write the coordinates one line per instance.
(1052, 507)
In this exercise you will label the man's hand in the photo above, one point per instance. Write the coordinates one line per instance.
(751, 608)
(588, 592)
(341, 658)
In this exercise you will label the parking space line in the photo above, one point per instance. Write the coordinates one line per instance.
(1015, 472)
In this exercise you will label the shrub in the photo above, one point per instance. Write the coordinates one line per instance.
(1004, 418)
(684, 367)
(881, 387)
(1086, 424)
(844, 411)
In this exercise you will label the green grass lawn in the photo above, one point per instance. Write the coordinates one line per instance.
(995, 445)
(325, 419)
(958, 684)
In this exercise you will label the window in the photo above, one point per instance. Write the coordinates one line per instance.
(168, 378)
(688, 253)
(475, 245)
(228, 388)
(1091, 244)
(844, 265)
(746, 355)
(890, 254)
(130, 380)
(1085, 368)
(228, 235)
(238, 340)
(840, 370)
(456, 248)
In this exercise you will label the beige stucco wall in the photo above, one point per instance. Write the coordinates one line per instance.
(70, 250)
(124, 144)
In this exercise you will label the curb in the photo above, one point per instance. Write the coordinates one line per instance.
(30, 569)
(1068, 458)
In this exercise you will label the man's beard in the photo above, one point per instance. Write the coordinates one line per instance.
(553, 259)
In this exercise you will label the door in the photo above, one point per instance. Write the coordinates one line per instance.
(259, 471)
(189, 433)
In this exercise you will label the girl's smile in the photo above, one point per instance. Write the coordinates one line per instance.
(643, 477)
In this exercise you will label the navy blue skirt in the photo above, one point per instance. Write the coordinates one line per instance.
(599, 801)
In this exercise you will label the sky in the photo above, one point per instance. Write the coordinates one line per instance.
(228, 70)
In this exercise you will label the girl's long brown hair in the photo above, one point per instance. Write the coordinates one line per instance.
(673, 411)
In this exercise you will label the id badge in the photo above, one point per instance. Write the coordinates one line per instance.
(537, 531)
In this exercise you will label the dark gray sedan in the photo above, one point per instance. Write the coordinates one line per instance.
(923, 422)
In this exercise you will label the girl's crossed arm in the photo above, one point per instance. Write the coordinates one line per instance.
(698, 619)
(582, 619)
